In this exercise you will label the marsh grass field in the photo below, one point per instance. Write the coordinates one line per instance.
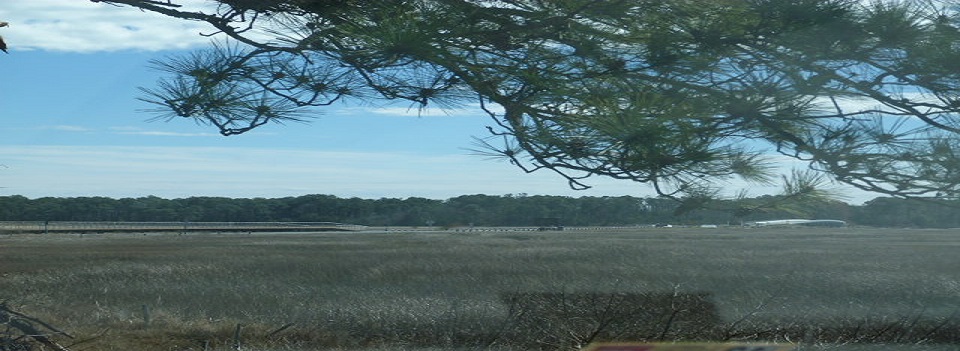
(818, 287)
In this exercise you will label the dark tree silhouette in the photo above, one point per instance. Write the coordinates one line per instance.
(3, 44)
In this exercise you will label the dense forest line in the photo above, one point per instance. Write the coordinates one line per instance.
(480, 210)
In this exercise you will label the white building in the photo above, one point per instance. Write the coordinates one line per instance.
(803, 222)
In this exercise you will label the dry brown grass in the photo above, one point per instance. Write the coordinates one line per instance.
(446, 290)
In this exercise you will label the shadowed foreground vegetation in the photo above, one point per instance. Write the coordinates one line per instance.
(488, 290)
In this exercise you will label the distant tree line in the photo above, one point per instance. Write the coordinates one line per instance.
(478, 210)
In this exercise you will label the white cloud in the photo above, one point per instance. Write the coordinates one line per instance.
(160, 133)
(400, 109)
(127, 130)
(855, 104)
(36, 171)
(69, 128)
(165, 133)
(170, 172)
(414, 111)
(85, 26)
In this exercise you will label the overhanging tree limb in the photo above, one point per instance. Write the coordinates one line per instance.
(683, 95)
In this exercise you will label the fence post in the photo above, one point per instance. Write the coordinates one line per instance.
(236, 337)
(146, 315)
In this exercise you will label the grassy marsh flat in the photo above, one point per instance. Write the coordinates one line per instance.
(446, 289)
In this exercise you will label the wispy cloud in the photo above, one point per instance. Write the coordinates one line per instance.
(86, 26)
(161, 133)
(425, 112)
(69, 128)
(126, 130)
(173, 134)
(401, 110)
(36, 171)
(116, 171)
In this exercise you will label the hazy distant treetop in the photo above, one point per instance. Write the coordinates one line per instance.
(683, 95)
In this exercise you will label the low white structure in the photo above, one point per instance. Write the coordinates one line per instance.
(803, 222)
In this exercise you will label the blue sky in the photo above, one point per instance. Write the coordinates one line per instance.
(72, 126)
